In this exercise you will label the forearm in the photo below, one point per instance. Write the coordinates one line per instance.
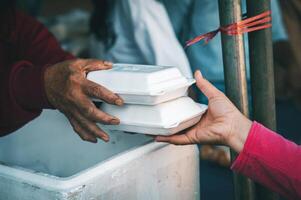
(21, 96)
(271, 160)
(27, 86)
(21, 81)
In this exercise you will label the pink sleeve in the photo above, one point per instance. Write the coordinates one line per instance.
(272, 161)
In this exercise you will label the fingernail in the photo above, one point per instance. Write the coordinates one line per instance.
(119, 102)
(106, 139)
(115, 121)
(198, 73)
(107, 63)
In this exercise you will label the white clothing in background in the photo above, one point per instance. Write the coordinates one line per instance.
(144, 36)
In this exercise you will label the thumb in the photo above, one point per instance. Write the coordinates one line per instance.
(94, 65)
(205, 86)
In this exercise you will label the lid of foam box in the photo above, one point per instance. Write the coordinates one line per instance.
(166, 115)
(139, 79)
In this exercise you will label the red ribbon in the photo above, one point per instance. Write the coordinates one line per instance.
(258, 22)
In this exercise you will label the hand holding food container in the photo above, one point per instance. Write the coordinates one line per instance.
(68, 90)
(155, 98)
(222, 124)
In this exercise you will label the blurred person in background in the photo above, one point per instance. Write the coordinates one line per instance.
(136, 31)
(155, 31)
(36, 74)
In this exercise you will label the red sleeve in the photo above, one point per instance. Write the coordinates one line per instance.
(271, 160)
(22, 86)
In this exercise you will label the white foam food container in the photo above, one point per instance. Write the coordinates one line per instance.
(143, 84)
(163, 119)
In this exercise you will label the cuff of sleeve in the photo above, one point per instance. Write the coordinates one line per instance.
(27, 83)
(242, 159)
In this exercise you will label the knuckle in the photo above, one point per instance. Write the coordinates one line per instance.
(71, 67)
(75, 64)
(96, 90)
(72, 79)
(201, 86)
(96, 93)
(89, 111)
(71, 94)
(73, 86)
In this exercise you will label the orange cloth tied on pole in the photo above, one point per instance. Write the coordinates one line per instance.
(258, 22)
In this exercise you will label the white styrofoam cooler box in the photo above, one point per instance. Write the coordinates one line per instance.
(46, 160)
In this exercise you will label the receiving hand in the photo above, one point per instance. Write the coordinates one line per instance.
(221, 124)
(69, 91)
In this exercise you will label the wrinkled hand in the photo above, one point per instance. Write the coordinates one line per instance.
(222, 123)
(69, 91)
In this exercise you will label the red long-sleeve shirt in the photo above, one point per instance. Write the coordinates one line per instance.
(271, 160)
(29, 50)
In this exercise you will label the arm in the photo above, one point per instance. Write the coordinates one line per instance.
(39, 79)
(32, 50)
(13, 114)
(37, 49)
(264, 156)
(270, 159)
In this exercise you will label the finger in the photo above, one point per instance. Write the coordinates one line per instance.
(83, 134)
(94, 65)
(91, 112)
(77, 62)
(205, 86)
(91, 127)
(174, 139)
(97, 91)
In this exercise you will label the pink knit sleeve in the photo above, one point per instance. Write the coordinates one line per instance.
(272, 161)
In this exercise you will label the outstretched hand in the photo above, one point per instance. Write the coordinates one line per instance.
(222, 123)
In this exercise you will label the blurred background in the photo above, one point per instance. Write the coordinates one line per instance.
(69, 22)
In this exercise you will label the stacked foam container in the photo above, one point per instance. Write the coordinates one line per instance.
(155, 97)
